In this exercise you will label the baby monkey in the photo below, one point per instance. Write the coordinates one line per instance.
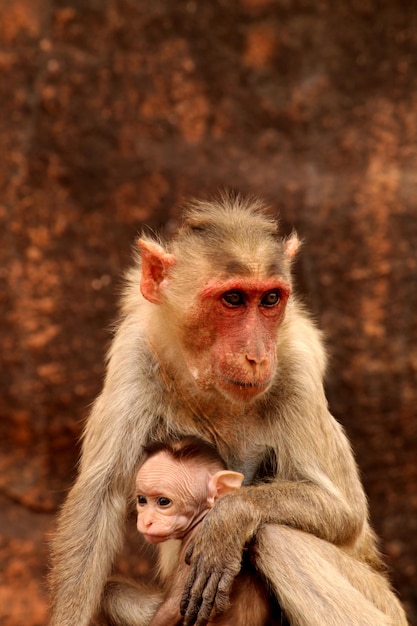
(176, 486)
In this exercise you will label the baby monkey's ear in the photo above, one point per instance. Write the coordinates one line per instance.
(223, 482)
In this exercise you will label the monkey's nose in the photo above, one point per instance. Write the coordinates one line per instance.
(143, 523)
(256, 361)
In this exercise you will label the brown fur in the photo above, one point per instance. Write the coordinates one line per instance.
(303, 505)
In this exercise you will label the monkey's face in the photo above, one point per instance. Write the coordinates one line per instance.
(225, 329)
(171, 497)
(230, 335)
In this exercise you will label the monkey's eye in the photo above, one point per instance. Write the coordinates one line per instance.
(142, 500)
(233, 298)
(164, 502)
(271, 298)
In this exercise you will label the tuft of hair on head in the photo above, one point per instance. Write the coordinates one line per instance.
(241, 227)
(224, 213)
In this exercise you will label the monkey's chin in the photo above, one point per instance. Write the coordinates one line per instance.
(244, 391)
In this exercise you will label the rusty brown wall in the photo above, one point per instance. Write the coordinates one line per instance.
(112, 111)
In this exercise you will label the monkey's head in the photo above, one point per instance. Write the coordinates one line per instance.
(220, 290)
(174, 494)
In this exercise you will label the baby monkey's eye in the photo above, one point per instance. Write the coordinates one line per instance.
(141, 500)
(164, 502)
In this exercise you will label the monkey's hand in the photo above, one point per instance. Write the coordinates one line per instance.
(215, 558)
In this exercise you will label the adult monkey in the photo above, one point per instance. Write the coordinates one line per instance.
(217, 346)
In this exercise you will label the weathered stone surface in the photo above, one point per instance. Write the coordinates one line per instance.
(114, 111)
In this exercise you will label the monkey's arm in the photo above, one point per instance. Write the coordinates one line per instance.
(128, 603)
(91, 524)
(328, 505)
(235, 520)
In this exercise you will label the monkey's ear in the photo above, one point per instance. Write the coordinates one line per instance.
(292, 245)
(223, 482)
(155, 265)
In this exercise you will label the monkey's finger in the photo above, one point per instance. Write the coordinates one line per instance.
(185, 598)
(224, 587)
(209, 597)
(193, 592)
(201, 600)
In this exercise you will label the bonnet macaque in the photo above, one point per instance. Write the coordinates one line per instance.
(176, 487)
(212, 342)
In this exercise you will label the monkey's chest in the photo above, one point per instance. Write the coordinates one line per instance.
(240, 442)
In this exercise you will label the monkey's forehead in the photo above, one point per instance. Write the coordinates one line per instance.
(161, 474)
(232, 230)
(225, 263)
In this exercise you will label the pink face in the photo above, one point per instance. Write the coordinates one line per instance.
(232, 332)
(171, 497)
(229, 334)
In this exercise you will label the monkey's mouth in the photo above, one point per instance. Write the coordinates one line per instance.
(247, 385)
(251, 388)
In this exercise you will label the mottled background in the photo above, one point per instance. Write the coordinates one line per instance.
(114, 111)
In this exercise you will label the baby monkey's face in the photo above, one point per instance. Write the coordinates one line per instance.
(171, 497)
